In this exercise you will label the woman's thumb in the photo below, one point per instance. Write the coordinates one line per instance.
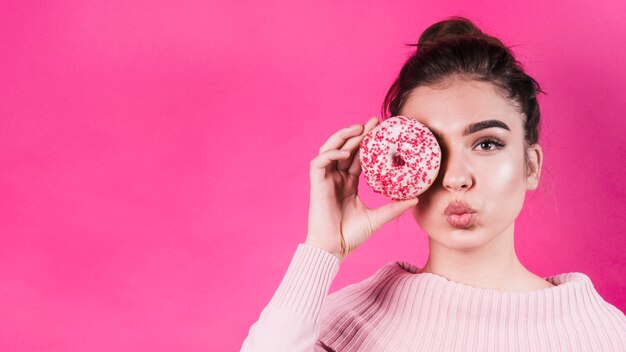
(390, 211)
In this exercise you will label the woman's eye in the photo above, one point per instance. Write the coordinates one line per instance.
(490, 144)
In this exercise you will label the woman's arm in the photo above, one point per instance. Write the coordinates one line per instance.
(338, 223)
(290, 321)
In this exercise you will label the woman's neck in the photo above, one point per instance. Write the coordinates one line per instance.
(493, 265)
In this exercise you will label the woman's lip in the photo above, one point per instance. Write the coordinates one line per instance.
(461, 221)
(458, 207)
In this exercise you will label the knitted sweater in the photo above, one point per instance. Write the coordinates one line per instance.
(400, 309)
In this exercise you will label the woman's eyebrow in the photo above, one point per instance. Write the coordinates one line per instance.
(475, 127)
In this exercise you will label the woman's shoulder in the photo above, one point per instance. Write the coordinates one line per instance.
(379, 287)
(576, 295)
(385, 277)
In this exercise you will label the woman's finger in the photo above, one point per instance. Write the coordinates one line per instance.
(320, 163)
(353, 143)
(339, 138)
(355, 166)
(350, 145)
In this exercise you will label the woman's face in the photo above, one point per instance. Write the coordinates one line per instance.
(488, 177)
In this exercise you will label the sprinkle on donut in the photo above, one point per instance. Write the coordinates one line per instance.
(400, 158)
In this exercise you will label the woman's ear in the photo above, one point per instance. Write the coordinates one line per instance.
(535, 160)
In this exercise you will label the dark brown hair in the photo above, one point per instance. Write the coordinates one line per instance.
(457, 48)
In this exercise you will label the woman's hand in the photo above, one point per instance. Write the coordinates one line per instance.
(339, 222)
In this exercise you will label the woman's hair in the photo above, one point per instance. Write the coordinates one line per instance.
(456, 48)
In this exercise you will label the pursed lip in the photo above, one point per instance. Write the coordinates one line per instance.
(458, 208)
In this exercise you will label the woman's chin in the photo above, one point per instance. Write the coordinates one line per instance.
(460, 239)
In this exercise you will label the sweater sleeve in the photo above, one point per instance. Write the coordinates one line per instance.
(290, 321)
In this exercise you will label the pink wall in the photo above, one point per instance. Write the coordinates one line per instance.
(154, 155)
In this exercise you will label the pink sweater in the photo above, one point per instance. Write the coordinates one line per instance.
(400, 309)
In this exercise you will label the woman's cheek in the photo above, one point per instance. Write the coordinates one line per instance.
(505, 187)
(509, 173)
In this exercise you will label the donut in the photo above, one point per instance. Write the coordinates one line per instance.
(400, 158)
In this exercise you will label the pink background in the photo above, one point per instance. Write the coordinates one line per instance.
(154, 155)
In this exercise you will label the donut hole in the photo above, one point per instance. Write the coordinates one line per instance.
(396, 160)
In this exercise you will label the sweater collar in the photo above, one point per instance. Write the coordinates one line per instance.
(562, 282)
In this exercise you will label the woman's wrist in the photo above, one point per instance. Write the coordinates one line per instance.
(322, 247)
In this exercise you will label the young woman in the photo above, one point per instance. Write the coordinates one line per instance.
(473, 294)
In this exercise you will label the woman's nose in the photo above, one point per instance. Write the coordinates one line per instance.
(456, 172)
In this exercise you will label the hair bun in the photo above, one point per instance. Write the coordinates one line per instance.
(452, 27)
(455, 27)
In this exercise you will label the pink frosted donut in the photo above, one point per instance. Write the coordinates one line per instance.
(400, 157)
